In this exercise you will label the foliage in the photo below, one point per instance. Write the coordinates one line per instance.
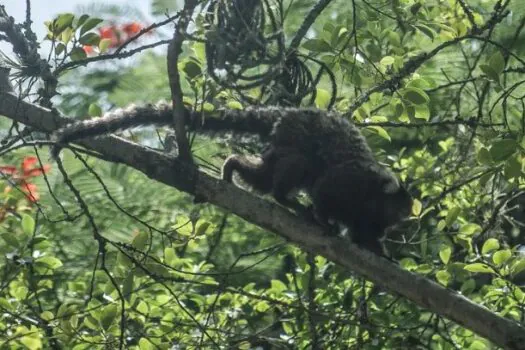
(105, 258)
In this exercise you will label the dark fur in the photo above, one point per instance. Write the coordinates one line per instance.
(327, 157)
(319, 152)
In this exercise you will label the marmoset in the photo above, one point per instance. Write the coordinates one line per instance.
(311, 150)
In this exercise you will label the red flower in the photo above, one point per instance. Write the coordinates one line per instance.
(22, 175)
(132, 28)
(88, 49)
(110, 32)
(29, 169)
(8, 169)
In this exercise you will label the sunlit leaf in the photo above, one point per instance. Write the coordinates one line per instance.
(490, 245)
(479, 267)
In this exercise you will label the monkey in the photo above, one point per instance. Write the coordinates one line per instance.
(328, 157)
(318, 152)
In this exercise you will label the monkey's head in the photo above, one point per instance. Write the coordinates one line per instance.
(397, 203)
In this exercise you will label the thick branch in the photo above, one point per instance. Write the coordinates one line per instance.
(170, 171)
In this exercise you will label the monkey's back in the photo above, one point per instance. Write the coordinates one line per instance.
(327, 138)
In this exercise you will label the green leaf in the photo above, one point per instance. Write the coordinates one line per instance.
(28, 224)
(144, 344)
(77, 54)
(200, 52)
(6, 304)
(417, 206)
(208, 107)
(104, 45)
(20, 293)
(142, 307)
(124, 260)
(32, 341)
(399, 109)
(90, 24)
(380, 132)
(363, 112)
(66, 35)
(170, 256)
(192, 69)
(47, 315)
(517, 267)
(452, 215)
(484, 157)
(512, 168)
(140, 240)
(419, 83)
(489, 72)
(94, 110)
(479, 268)
(415, 96)
(127, 285)
(408, 264)
(322, 98)
(497, 62)
(485, 179)
(49, 262)
(244, 345)
(387, 61)
(234, 105)
(90, 39)
(470, 229)
(81, 20)
(278, 286)
(426, 30)
(394, 38)
(62, 22)
(445, 253)
(443, 277)
(108, 316)
(201, 230)
(317, 45)
(490, 245)
(422, 112)
(501, 256)
(502, 149)
(468, 286)
(59, 49)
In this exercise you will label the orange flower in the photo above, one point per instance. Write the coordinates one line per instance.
(132, 28)
(30, 171)
(22, 175)
(110, 32)
(88, 49)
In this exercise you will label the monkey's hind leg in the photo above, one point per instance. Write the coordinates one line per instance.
(256, 173)
(291, 171)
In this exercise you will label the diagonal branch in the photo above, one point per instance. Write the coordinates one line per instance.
(172, 172)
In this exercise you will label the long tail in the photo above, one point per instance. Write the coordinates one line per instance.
(251, 120)
(120, 119)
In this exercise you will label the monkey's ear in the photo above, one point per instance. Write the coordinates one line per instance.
(391, 186)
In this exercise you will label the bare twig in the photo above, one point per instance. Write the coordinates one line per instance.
(307, 23)
(174, 51)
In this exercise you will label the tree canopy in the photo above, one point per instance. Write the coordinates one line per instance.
(134, 242)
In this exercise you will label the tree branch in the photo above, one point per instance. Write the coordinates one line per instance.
(425, 293)
(174, 51)
(307, 23)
